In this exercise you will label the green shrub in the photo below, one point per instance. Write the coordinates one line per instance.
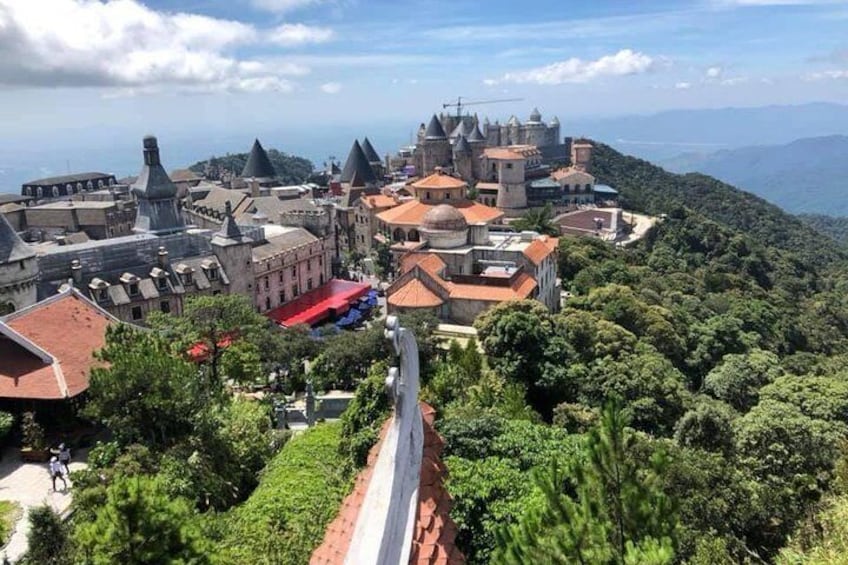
(6, 423)
(285, 518)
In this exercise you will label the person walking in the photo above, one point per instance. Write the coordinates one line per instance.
(56, 473)
(65, 457)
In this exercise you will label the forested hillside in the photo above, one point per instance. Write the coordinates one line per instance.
(835, 228)
(290, 169)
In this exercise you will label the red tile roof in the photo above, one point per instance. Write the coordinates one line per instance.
(379, 201)
(434, 534)
(412, 213)
(66, 327)
(414, 294)
(430, 262)
(540, 249)
(521, 288)
(439, 180)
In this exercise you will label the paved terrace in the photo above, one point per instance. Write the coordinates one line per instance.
(29, 485)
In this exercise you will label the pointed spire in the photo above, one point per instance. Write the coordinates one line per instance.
(535, 115)
(555, 121)
(476, 135)
(357, 164)
(435, 129)
(229, 228)
(370, 153)
(156, 195)
(12, 247)
(460, 130)
(462, 145)
(258, 164)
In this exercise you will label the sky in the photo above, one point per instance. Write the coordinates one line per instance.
(81, 76)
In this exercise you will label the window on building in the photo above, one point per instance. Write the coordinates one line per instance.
(267, 302)
(133, 290)
(447, 195)
(294, 271)
(588, 188)
(509, 165)
(294, 291)
(321, 278)
(308, 265)
(212, 274)
(281, 276)
(308, 284)
(216, 292)
(266, 283)
(136, 312)
(428, 196)
(165, 307)
(320, 261)
(102, 295)
(162, 283)
(22, 265)
(282, 296)
(187, 279)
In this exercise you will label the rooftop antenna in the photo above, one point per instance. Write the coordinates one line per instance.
(460, 104)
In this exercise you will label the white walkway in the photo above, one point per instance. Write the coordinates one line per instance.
(29, 485)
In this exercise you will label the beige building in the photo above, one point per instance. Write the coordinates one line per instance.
(98, 219)
(365, 219)
(290, 262)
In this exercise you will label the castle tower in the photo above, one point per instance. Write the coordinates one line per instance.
(18, 270)
(535, 131)
(513, 127)
(258, 166)
(581, 155)
(373, 157)
(462, 159)
(233, 251)
(357, 176)
(477, 141)
(436, 148)
(156, 194)
(553, 131)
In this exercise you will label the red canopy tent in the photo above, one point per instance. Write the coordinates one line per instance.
(317, 305)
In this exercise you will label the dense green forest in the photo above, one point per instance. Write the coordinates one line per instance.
(290, 169)
(835, 228)
(689, 404)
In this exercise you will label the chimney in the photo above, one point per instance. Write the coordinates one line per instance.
(76, 272)
(254, 187)
(162, 257)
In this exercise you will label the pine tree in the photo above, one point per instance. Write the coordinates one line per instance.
(610, 510)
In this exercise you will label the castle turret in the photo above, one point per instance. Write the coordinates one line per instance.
(462, 159)
(436, 148)
(156, 194)
(233, 251)
(477, 141)
(258, 166)
(18, 270)
(357, 176)
(373, 157)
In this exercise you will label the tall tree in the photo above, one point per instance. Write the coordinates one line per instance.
(619, 513)
(140, 524)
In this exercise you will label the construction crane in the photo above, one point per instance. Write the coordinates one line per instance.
(459, 104)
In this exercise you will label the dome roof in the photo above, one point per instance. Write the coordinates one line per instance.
(535, 115)
(444, 218)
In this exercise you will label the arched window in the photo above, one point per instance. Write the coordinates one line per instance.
(6, 308)
(39, 192)
(79, 187)
(100, 183)
(69, 188)
(413, 235)
(27, 191)
(398, 235)
(89, 185)
(588, 188)
(111, 181)
(55, 190)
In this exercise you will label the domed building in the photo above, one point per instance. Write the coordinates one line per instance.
(444, 227)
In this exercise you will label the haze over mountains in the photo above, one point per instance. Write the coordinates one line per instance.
(657, 137)
(805, 176)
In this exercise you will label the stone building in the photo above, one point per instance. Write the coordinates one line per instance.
(460, 270)
(18, 270)
(99, 219)
(291, 261)
(365, 219)
(532, 132)
(65, 186)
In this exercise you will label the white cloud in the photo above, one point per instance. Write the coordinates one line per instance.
(832, 74)
(282, 6)
(331, 87)
(574, 70)
(299, 34)
(683, 85)
(123, 44)
(714, 72)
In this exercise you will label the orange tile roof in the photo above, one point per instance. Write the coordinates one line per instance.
(430, 262)
(414, 294)
(434, 534)
(538, 251)
(560, 174)
(505, 153)
(412, 213)
(521, 288)
(439, 180)
(70, 329)
(379, 201)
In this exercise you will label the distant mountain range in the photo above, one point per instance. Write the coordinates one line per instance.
(805, 176)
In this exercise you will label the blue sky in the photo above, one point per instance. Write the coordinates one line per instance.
(85, 71)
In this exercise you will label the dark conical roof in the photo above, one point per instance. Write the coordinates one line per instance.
(370, 153)
(476, 135)
(258, 164)
(462, 145)
(357, 165)
(12, 247)
(459, 130)
(434, 129)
